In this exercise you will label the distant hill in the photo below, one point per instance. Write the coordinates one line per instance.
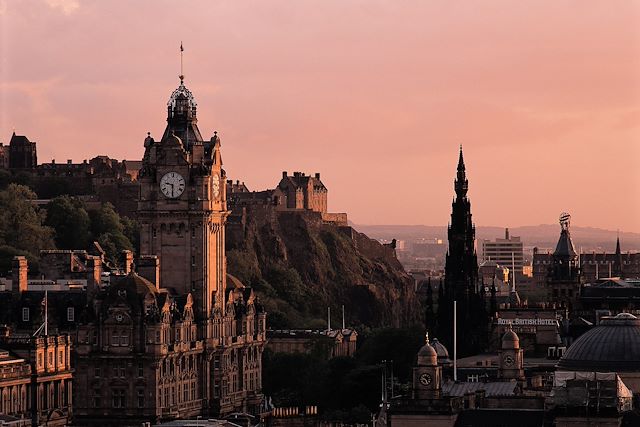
(544, 235)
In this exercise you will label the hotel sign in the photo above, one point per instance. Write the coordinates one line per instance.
(528, 322)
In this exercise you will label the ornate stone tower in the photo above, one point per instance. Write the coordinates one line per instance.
(182, 207)
(461, 276)
(462, 263)
(563, 281)
(427, 375)
(511, 360)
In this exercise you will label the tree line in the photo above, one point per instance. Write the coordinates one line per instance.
(63, 223)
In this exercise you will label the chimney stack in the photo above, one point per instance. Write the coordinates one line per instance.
(506, 233)
(284, 174)
(19, 272)
(127, 261)
(94, 274)
(149, 268)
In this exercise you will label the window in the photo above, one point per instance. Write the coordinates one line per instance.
(25, 314)
(118, 399)
(96, 372)
(154, 233)
(140, 398)
(193, 260)
(140, 369)
(115, 338)
(50, 359)
(40, 360)
(71, 315)
(124, 339)
(97, 398)
(61, 358)
(193, 232)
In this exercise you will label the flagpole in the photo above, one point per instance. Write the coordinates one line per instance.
(46, 313)
(455, 341)
(181, 72)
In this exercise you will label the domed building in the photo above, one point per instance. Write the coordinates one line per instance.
(612, 346)
(442, 352)
(427, 375)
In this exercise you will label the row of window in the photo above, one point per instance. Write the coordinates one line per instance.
(154, 232)
(50, 361)
(71, 315)
(119, 370)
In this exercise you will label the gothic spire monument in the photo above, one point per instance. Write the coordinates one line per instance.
(462, 263)
(461, 275)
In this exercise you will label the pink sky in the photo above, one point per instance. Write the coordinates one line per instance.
(375, 95)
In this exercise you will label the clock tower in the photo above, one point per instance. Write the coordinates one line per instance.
(427, 375)
(511, 360)
(182, 207)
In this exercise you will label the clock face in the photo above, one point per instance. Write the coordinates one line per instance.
(425, 379)
(508, 360)
(216, 185)
(172, 185)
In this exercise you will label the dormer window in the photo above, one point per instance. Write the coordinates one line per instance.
(25, 314)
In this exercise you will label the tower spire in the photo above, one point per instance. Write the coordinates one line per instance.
(618, 244)
(181, 71)
(461, 160)
(461, 184)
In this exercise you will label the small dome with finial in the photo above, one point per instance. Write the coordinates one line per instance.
(427, 355)
(510, 340)
(441, 351)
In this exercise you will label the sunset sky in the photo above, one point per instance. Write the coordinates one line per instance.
(377, 96)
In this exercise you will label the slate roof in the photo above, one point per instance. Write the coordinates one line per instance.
(503, 388)
(564, 248)
(19, 140)
(501, 418)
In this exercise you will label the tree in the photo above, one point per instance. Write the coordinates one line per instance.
(108, 229)
(68, 217)
(21, 223)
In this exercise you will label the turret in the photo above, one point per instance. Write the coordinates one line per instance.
(427, 375)
(511, 359)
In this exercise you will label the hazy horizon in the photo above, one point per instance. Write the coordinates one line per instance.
(375, 95)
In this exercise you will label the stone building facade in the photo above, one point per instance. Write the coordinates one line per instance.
(171, 334)
(303, 191)
(36, 379)
(179, 338)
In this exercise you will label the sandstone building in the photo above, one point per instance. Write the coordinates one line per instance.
(191, 336)
(171, 334)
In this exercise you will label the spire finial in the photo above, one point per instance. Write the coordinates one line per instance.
(618, 244)
(181, 71)
(426, 337)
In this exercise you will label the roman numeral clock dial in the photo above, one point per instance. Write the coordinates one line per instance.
(172, 185)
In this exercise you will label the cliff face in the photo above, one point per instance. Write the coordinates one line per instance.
(300, 266)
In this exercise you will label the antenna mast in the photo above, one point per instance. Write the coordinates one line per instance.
(181, 72)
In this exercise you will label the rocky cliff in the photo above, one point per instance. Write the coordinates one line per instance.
(300, 266)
